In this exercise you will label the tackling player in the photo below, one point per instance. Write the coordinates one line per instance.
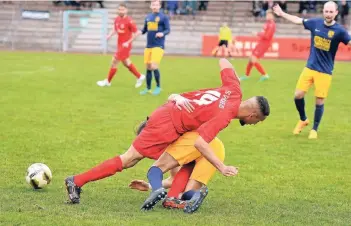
(157, 27)
(326, 35)
(265, 41)
(188, 186)
(214, 110)
(126, 30)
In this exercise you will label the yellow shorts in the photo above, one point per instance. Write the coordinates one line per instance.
(184, 152)
(320, 80)
(153, 55)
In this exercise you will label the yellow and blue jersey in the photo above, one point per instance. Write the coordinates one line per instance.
(154, 23)
(325, 41)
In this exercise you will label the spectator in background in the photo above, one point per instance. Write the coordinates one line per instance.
(265, 6)
(189, 7)
(344, 11)
(256, 8)
(172, 7)
(203, 5)
(282, 5)
(303, 7)
(225, 38)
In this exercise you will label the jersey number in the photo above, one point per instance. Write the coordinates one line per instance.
(208, 97)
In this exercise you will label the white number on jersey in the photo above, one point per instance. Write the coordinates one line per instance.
(208, 97)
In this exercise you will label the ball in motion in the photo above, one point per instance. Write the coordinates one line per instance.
(38, 175)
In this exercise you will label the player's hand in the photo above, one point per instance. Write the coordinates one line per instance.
(182, 102)
(139, 185)
(159, 35)
(277, 10)
(229, 171)
(125, 44)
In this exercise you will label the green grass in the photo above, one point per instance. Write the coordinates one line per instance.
(51, 111)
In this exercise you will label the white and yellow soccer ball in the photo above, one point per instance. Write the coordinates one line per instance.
(38, 175)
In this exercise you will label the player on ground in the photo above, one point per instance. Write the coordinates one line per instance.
(265, 41)
(188, 186)
(126, 30)
(157, 27)
(326, 35)
(210, 112)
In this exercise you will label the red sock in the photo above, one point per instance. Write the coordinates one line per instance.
(180, 180)
(133, 69)
(248, 68)
(260, 68)
(105, 169)
(111, 73)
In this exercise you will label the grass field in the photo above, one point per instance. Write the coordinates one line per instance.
(51, 111)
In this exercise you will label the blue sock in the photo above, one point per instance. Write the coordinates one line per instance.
(188, 195)
(155, 176)
(148, 78)
(318, 113)
(300, 106)
(157, 77)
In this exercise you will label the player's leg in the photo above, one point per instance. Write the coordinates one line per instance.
(147, 61)
(140, 77)
(156, 57)
(196, 189)
(322, 84)
(111, 73)
(303, 84)
(178, 153)
(250, 64)
(103, 170)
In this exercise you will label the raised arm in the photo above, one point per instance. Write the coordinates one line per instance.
(279, 12)
(228, 74)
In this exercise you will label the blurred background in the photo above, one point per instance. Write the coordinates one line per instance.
(81, 26)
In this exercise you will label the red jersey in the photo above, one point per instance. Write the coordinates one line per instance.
(125, 27)
(214, 108)
(268, 32)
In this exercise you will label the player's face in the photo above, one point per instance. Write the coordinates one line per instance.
(155, 6)
(329, 12)
(252, 119)
(122, 11)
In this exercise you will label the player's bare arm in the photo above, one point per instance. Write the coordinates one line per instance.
(134, 36)
(181, 102)
(112, 33)
(205, 149)
(279, 12)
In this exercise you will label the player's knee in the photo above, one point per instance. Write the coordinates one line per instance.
(148, 66)
(253, 59)
(130, 157)
(299, 94)
(154, 66)
(319, 101)
(114, 62)
(126, 62)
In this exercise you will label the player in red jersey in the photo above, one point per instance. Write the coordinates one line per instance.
(265, 41)
(213, 110)
(126, 30)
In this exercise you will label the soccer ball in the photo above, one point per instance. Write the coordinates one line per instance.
(38, 175)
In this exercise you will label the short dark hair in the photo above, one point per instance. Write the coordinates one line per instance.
(141, 126)
(123, 5)
(263, 105)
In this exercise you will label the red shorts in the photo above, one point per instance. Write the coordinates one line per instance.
(122, 53)
(260, 49)
(157, 135)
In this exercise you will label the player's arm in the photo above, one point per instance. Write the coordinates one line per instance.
(167, 29)
(135, 34)
(112, 33)
(144, 30)
(228, 74)
(279, 12)
(208, 132)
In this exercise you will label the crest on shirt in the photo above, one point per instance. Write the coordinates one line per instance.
(331, 34)
(157, 19)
